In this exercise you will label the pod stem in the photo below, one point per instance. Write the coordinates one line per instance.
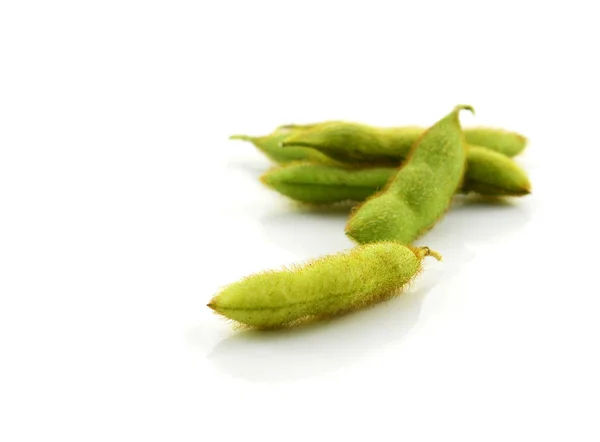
(426, 251)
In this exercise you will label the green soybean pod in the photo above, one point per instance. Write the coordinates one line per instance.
(355, 143)
(488, 173)
(270, 146)
(498, 140)
(419, 194)
(325, 287)
(323, 184)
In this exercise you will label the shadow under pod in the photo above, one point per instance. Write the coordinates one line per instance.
(473, 220)
(476, 219)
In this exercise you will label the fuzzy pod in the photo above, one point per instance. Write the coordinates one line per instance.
(325, 287)
(420, 192)
(488, 173)
(355, 143)
(491, 173)
(323, 184)
(498, 140)
(270, 146)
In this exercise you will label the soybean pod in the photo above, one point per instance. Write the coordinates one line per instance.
(420, 192)
(488, 173)
(360, 144)
(325, 287)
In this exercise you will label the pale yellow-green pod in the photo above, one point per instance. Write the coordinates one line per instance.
(488, 173)
(419, 194)
(361, 144)
(322, 288)
(499, 140)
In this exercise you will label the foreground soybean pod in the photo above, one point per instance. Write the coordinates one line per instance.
(325, 287)
(270, 146)
(419, 194)
(488, 173)
(356, 143)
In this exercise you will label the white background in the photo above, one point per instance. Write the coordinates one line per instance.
(124, 208)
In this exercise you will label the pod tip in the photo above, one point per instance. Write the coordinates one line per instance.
(265, 178)
(525, 191)
(464, 107)
(241, 137)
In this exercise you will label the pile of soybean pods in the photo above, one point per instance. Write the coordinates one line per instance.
(403, 179)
